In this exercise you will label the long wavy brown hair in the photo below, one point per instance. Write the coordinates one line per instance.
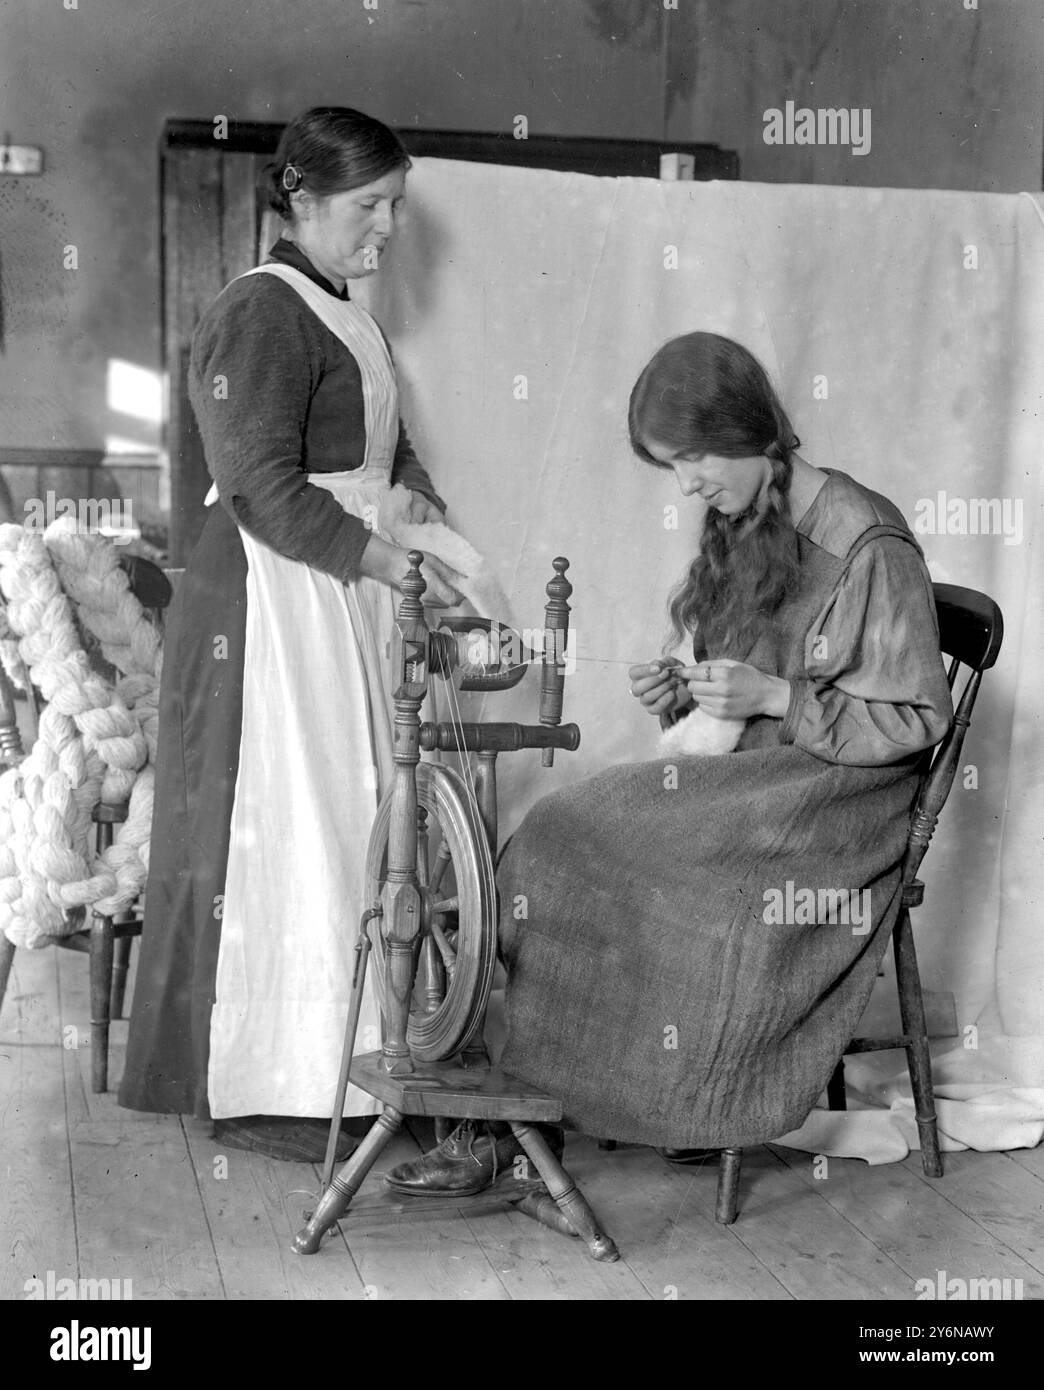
(705, 394)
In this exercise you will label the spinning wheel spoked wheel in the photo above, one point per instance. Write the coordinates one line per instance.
(457, 942)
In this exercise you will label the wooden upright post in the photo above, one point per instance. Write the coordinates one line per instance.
(401, 899)
(556, 635)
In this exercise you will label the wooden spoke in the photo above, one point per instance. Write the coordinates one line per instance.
(454, 965)
(435, 973)
(422, 846)
(443, 859)
(446, 951)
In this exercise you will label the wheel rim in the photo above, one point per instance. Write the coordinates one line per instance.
(453, 820)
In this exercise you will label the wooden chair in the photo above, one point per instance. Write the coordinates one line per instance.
(970, 630)
(106, 940)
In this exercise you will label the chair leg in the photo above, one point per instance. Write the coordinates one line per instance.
(918, 1056)
(101, 949)
(837, 1098)
(7, 950)
(727, 1207)
(121, 962)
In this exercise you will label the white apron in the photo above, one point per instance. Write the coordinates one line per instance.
(315, 752)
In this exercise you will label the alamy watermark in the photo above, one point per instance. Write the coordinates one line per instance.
(78, 1342)
(51, 1287)
(826, 125)
(799, 907)
(504, 649)
(112, 517)
(943, 515)
(975, 1289)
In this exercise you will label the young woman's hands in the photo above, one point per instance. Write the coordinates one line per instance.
(733, 690)
(655, 683)
(388, 563)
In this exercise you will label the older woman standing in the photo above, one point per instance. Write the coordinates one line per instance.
(274, 716)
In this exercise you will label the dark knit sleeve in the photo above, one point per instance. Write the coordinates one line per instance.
(257, 357)
(408, 470)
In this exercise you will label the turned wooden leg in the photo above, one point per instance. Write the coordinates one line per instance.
(121, 962)
(727, 1206)
(568, 1197)
(11, 751)
(837, 1098)
(7, 950)
(101, 945)
(918, 1056)
(337, 1198)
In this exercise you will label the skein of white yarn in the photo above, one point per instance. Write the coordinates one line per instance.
(478, 582)
(94, 579)
(701, 735)
(89, 747)
(92, 576)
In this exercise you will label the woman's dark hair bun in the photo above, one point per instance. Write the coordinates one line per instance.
(326, 150)
(270, 186)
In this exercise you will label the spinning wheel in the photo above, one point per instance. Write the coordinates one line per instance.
(431, 929)
(457, 943)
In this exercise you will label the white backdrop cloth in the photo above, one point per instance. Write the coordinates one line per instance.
(904, 331)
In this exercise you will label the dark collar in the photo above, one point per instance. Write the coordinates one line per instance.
(287, 253)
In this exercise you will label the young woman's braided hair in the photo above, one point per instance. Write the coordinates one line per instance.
(705, 394)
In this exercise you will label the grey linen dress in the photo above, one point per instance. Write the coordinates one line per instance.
(652, 986)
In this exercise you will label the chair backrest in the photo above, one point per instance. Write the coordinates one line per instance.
(148, 583)
(971, 628)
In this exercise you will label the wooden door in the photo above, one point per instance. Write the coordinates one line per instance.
(210, 226)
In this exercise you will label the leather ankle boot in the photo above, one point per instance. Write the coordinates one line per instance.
(469, 1160)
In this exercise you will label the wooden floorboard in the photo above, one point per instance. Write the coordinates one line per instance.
(1030, 1159)
(1002, 1197)
(810, 1247)
(254, 1208)
(662, 1218)
(912, 1222)
(37, 1221)
(536, 1263)
(93, 1192)
(139, 1209)
(416, 1259)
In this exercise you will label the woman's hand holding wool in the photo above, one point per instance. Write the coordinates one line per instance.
(656, 684)
(388, 563)
(733, 690)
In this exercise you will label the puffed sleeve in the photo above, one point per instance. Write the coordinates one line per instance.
(256, 361)
(874, 689)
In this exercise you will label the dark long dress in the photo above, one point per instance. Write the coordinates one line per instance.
(664, 978)
(292, 405)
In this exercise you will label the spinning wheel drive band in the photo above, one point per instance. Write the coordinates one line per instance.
(454, 1022)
